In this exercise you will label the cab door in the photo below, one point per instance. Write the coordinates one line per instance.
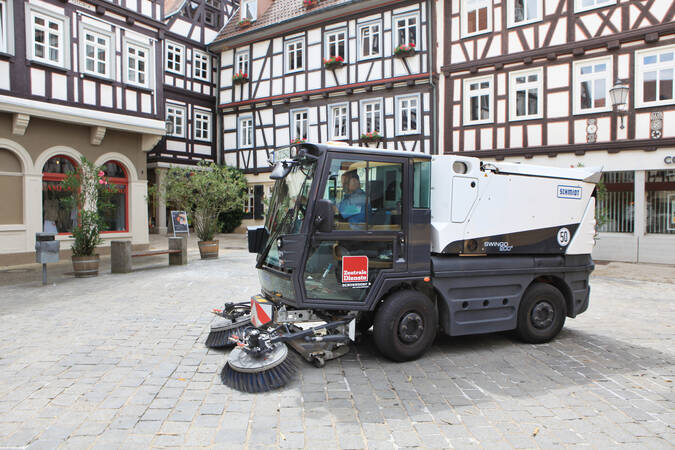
(367, 242)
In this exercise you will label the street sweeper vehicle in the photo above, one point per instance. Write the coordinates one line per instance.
(408, 244)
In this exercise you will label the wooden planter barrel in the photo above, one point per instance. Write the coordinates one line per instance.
(208, 249)
(85, 266)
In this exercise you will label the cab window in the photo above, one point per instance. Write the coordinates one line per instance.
(366, 195)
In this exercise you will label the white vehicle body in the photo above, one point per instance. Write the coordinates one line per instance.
(500, 208)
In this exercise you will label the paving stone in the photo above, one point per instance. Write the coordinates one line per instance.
(143, 377)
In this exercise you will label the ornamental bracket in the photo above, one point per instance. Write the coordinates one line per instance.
(20, 123)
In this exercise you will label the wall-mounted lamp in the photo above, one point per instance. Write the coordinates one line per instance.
(169, 127)
(619, 96)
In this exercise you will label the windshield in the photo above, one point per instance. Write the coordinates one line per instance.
(287, 206)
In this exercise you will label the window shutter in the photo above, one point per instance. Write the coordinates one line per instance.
(258, 192)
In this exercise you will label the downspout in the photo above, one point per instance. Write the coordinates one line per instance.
(219, 131)
(432, 68)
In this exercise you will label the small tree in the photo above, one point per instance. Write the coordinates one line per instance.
(204, 193)
(90, 196)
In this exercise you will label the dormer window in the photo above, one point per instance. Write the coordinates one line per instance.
(249, 10)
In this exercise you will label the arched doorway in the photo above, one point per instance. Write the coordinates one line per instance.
(116, 218)
(56, 217)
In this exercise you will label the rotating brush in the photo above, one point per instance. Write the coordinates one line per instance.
(236, 319)
(248, 373)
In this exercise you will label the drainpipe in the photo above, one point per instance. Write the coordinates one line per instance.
(219, 131)
(432, 66)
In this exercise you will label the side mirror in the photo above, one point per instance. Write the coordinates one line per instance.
(281, 169)
(324, 216)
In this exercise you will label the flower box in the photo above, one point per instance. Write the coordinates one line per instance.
(405, 50)
(245, 23)
(333, 62)
(239, 78)
(298, 141)
(310, 3)
(371, 137)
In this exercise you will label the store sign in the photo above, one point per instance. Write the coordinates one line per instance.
(670, 159)
(354, 271)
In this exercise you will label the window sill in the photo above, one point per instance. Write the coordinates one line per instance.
(408, 133)
(477, 33)
(523, 23)
(294, 71)
(201, 80)
(585, 112)
(369, 58)
(480, 122)
(16, 227)
(655, 104)
(96, 77)
(524, 119)
(46, 65)
(173, 72)
(591, 8)
(138, 87)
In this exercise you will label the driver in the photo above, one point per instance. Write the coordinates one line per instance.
(352, 208)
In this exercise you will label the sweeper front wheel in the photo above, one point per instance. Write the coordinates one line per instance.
(250, 373)
(405, 325)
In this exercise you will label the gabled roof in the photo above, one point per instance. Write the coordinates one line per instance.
(172, 6)
(280, 11)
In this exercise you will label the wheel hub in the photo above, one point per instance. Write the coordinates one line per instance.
(411, 327)
(542, 315)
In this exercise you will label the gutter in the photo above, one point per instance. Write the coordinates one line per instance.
(432, 68)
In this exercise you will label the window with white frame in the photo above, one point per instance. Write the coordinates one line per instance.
(97, 55)
(241, 62)
(370, 36)
(476, 17)
(249, 201)
(478, 100)
(338, 116)
(299, 124)
(522, 12)
(592, 80)
(584, 5)
(407, 114)
(654, 76)
(137, 58)
(3, 26)
(371, 116)
(245, 132)
(336, 44)
(249, 9)
(202, 125)
(176, 115)
(405, 30)
(201, 66)
(295, 55)
(525, 94)
(175, 58)
(47, 35)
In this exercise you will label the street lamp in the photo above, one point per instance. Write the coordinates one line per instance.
(619, 96)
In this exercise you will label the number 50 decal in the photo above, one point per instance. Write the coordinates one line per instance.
(563, 237)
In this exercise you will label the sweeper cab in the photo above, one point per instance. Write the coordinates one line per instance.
(410, 245)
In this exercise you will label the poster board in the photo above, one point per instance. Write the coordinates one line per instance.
(179, 222)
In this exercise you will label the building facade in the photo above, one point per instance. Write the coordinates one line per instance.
(189, 85)
(358, 72)
(530, 81)
(78, 78)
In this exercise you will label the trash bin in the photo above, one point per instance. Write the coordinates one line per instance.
(46, 251)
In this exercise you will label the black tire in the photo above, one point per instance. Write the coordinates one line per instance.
(405, 325)
(541, 314)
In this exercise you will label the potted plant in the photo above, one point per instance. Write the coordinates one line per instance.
(204, 193)
(372, 136)
(310, 3)
(239, 78)
(298, 141)
(245, 22)
(333, 62)
(90, 198)
(405, 50)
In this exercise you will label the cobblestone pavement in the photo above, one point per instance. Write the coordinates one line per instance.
(119, 361)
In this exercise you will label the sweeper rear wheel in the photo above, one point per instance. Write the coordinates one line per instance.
(250, 373)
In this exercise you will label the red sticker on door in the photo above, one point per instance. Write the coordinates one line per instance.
(355, 271)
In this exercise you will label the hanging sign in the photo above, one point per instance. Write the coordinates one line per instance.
(179, 221)
(355, 271)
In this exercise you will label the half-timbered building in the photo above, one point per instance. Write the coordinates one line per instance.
(189, 84)
(531, 81)
(77, 78)
(355, 71)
